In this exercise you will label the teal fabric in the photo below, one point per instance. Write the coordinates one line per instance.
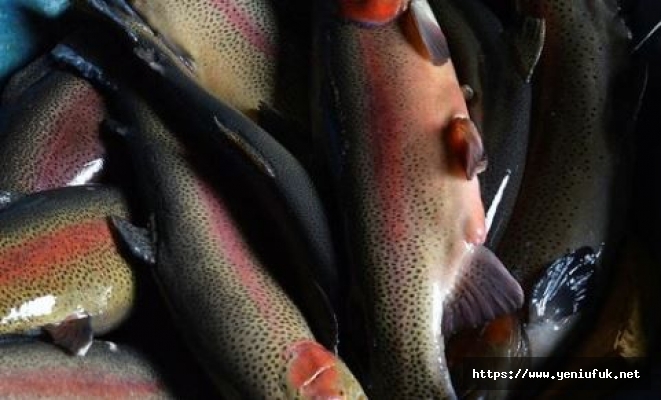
(19, 41)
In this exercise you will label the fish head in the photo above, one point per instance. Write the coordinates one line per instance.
(372, 12)
(315, 373)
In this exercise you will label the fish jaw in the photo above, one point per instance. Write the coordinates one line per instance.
(314, 373)
(372, 12)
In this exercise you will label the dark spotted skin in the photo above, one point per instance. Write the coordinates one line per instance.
(244, 51)
(567, 198)
(501, 103)
(37, 370)
(413, 217)
(51, 135)
(572, 194)
(58, 259)
(238, 320)
(24, 79)
(273, 175)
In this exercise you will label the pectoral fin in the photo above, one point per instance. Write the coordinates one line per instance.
(485, 290)
(430, 31)
(465, 146)
(137, 240)
(74, 334)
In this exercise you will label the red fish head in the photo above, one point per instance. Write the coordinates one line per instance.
(314, 373)
(372, 12)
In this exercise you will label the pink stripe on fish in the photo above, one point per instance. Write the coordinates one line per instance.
(246, 25)
(73, 140)
(90, 383)
(239, 255)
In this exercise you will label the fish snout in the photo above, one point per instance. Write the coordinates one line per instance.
(314, 373)
(372, 12)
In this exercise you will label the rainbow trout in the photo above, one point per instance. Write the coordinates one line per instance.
(32, 369)
(405, 157)
(249, 335)
(60, 270)
(51, 136)
(569, 211)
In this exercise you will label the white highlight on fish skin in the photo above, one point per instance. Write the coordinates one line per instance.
(437, 309)
(491, 213)
(647, 37)
(33, 308)
(111, 346)
(89, 170)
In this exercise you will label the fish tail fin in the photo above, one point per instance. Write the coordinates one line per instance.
(558, 301)
(564, 289)
(315, 373)
(484, 291)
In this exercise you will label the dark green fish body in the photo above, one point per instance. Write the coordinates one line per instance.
(569, 211)
(492, 62)
(37, 370)
(59, 262)
(50, 132)
(251, 338)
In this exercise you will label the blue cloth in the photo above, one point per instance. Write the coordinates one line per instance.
(19, 40)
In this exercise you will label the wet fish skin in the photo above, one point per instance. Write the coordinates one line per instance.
(58, 260)
(568, 198)
(51, 135)
(33, 369)
(414, 219)
(241, 324)
(483, 52)
(263, 60)
(272, 173)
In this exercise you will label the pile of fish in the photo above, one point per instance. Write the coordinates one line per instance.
(336, 199)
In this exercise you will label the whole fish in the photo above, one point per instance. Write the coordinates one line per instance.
(495, 64)
(245, 52)
(249, 335)
(271, 173)
(405, 158)
(569, 212)
(19, 39)
(59, 267)
(51, 135)
(32, 369)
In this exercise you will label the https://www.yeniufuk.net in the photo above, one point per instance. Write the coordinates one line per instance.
(558, 375)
